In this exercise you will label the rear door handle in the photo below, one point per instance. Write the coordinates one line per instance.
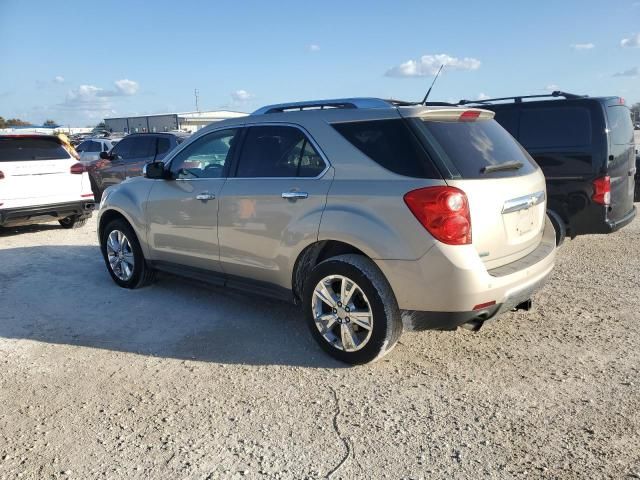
(632, 171)
(204, 196)
(294, 195)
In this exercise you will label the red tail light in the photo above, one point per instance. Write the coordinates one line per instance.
(469, 116)
(602, 190)
(78, 169)
(443, 211)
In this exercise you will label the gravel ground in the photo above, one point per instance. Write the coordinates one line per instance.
(181, 381)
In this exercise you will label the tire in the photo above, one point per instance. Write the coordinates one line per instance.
(559, 226)
(372, 293)
(97, 193)
(130, 268)
(73, 222)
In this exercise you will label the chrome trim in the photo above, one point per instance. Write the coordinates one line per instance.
(205, 196)
(523, 203)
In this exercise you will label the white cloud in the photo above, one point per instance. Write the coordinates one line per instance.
(633, 41)
(59, 79)
(313, 47)
(582, 46)
(552, 87)
(126, 86)
(632, 72)
(428, 65)
(482, 96)
(241, 96)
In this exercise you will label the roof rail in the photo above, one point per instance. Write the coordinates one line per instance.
(322, 104)
(403, 103)
(518, 99)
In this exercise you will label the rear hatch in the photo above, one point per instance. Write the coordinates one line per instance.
(621, 161)
(37, 171)
(505, 188)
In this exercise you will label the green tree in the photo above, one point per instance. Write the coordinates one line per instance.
(635, 108)
(16, 122)
(50, 123)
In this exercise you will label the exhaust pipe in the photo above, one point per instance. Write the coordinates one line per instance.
(525, 306)
(473, 325)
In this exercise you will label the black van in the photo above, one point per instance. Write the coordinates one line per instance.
(585, 147)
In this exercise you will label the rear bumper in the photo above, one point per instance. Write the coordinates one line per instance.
(443, 288)
(45, 213)
(612, 226)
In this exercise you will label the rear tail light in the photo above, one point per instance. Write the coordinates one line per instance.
(1, 175)
(443, 211)
(602, 190)
(78, 169)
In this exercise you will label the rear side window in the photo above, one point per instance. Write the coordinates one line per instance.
(555, 127)
(278, 151)
(475, 149)
(620, 125)
(391, 144)
(17, 149)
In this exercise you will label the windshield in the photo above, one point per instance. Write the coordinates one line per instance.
(477, 149)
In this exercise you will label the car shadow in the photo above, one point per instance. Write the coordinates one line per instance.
(64, 295)
(33, 228)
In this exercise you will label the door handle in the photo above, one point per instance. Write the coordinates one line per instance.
(204, 196)
(294, 195)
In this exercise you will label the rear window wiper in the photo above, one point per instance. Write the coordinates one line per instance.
(502, 166)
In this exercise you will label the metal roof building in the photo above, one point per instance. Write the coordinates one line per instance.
(165, 122)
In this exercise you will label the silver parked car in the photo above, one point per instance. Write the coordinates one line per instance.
(91, 148)
(364, 211)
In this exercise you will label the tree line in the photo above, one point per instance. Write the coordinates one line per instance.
(16, 122)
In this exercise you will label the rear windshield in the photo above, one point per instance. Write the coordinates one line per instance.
(474, 149)
(620, 125)
(17, 149)
(391, 144)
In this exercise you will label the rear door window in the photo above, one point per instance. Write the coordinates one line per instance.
(620, 125)
(555, 127)
(20, 149)
(391, 144)
(278, 151)
(471, 149)
(142, 147)
(164, 144)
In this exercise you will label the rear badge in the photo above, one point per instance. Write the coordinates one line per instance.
(484, 254)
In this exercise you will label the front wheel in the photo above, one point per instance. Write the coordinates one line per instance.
(351, 310)
(123, 256)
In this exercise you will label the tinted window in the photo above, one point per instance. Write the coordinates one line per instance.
(163, 145)
(391, 144)
(555, 127)
(122, 148)
(206, 157)
(278, 151)
(94, 147)
(143, 147)
(620, 125)
(22, 149)
(470, 147)
(83, 147)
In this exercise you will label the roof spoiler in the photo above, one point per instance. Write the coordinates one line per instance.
(554, 94)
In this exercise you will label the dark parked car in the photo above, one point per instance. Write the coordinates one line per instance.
(585, 147)
(128, 156)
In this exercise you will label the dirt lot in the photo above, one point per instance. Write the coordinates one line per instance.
(181, 381)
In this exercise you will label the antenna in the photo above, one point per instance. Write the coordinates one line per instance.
(424, 100)
(196, 94)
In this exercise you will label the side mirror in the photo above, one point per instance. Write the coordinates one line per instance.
(105, 156)
(154, 170)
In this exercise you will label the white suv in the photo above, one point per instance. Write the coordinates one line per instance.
(41, 180)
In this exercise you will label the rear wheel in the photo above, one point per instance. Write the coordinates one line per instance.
(351, 310)
(123, 256)
(73, 221)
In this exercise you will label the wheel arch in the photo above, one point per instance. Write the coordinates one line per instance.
(312, 255)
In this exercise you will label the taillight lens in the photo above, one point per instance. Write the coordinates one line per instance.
(469, 116)
(443, 211)
(602, 190)
(78, 168)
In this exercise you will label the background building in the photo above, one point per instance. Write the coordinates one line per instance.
(165, 122)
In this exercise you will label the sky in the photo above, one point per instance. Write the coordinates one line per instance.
(79, 62)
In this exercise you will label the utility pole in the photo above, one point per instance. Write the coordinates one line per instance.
(196, 93)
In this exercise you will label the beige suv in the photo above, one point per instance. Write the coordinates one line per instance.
(368, 213)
